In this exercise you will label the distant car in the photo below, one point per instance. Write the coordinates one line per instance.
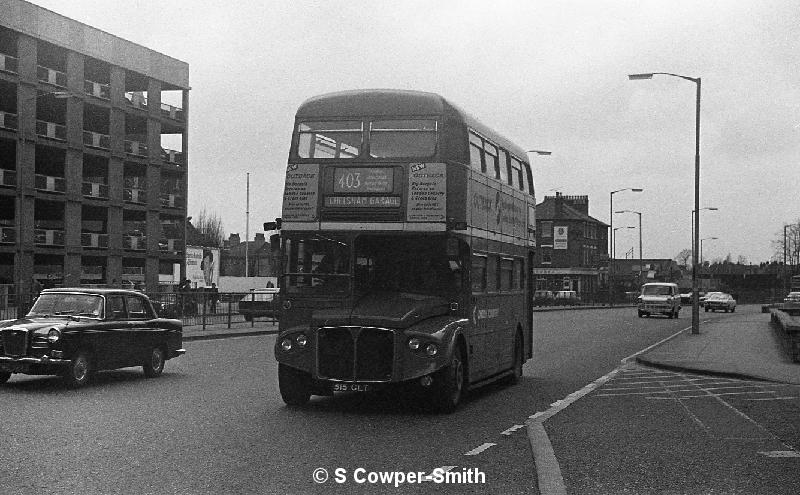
(543, 298)
(259, 303)
(686, 297)
(792, 302)
(75, 332)
(566, 298)
(659, 297)
(720, 301)
(704, 297)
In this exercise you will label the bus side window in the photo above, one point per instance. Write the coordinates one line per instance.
(490, 157)
(475, 152)
(504, 177)
(478, 274)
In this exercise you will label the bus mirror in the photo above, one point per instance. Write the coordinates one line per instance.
(275, 242)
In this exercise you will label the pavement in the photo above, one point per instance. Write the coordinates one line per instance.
(742, 344)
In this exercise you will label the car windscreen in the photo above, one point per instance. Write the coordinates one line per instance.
(59, 304)
(655, 290)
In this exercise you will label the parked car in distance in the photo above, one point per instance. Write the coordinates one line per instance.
(719, 301)
(260, 302)
(704, 297)
(566, 298)
(543, 298)
(659, 297)
(791, 303)
(76, 332)
(686, 297)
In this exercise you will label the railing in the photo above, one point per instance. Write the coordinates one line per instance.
(50, 183)
(48, 237)
(96, 140)
(94, 190)
(172, 112)
(192, 307)
(9, 63)
(135, 148)
(51, 76)
(94, 240)
(96, 89)
(134, 242)
(8, 235)
(172, 156)
(8, 177)
(134, 195)
(51, 130)
(169, 200)
(136, 99)
(9, 120)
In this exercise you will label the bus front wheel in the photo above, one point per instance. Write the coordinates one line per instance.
(448, 388)
(295, 385)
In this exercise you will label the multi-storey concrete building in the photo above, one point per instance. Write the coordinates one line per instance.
(93, 154)
(572, 252)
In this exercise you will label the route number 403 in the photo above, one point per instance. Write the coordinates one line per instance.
(350, 180)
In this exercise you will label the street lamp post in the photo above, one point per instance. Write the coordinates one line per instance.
(709, 208)
(701, 246)
(695, 294)
(641, 269)
(611, 246)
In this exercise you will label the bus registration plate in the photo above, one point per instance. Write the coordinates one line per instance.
(351, 387)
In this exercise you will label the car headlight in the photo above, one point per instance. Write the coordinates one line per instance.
(301, 340)
(286, 344)
(431, 350)
(53, 335)
(414, 343)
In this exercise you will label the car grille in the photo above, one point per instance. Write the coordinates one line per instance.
(355, 353)
(15, 342)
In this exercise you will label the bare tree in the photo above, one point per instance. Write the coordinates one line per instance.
(209, 225)
(683, 258)
(786, 246)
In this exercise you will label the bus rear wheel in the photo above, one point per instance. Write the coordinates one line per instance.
(448, 388)
(295, 385)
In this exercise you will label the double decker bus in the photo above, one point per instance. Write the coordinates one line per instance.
(407, 238)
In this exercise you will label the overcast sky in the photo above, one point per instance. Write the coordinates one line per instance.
(547, 75)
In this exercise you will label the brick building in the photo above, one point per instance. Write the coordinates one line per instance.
(572, 247)
(93, 162)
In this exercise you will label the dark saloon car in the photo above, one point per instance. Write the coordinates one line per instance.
(75, 332)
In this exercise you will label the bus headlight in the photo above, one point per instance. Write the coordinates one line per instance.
(431, 350)
(301, 340)
(286, 345)
(53, 335)
(413, 343)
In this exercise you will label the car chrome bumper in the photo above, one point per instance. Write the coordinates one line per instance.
(179, 352)
(34, 360)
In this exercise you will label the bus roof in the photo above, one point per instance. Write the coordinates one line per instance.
(396, 102)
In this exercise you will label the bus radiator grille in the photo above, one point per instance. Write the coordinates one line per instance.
(355, 353)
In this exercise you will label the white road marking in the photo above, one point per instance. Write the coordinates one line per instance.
(781, 453)
(512, 429)
(480, 448)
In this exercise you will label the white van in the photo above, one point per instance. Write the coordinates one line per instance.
(659, 297)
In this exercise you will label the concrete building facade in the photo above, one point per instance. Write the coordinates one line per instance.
(93, 154)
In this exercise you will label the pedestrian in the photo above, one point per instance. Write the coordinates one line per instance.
(213, 298)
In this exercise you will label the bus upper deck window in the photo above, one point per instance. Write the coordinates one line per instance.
(341, 139)
(410, 138)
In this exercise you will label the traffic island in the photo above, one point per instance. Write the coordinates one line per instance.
(789, 326)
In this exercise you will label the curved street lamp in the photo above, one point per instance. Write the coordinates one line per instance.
(641, 268)
(701, 246)
(611, 250)
(695, 293)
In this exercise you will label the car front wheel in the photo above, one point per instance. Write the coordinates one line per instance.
(79, 370)
(154, 364)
